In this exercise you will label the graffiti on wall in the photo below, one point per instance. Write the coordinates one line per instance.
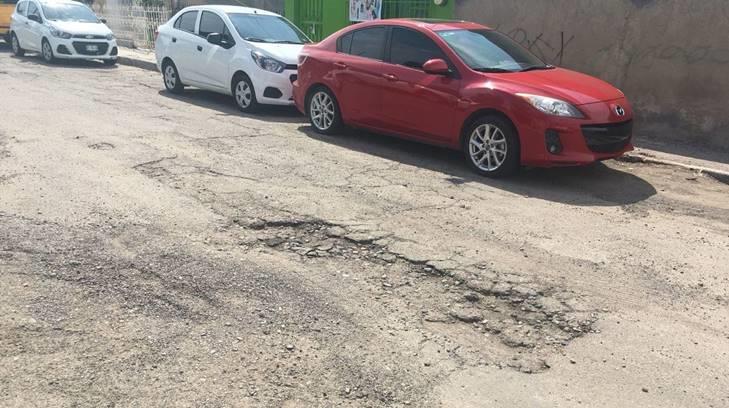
(550, 48)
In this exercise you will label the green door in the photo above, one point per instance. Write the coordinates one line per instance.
(406, 8)
(310, 17)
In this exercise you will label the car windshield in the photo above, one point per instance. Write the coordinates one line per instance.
(267, 29)
(69, 12)
(491, 51)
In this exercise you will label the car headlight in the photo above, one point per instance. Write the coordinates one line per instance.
(110, 37)
(267, 63)
(552, 106)
(58, 33)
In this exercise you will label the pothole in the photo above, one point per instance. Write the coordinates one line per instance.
(521, 314)
(101, 146)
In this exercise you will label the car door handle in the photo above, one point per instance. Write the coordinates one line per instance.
(389, 77)
(199, 47)
(340, 65)
(174, 39)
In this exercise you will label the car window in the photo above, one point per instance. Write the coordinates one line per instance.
(265, 28)
(211, 23)
(77, 13)
(186, 22)
(490, 51)
(32, 10)
(22, 7)
(412, 49)
(369, 43)
(344, 43)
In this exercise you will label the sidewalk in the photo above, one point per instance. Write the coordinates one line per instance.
(139, 58)
(145, 59)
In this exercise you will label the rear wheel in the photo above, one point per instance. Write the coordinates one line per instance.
(110, 62)
(245, 96)
(17, 50)
(323, 111)
(47, 52)
(491, 147)
(171, 78)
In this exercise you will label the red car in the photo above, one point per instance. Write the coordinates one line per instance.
(464, 86)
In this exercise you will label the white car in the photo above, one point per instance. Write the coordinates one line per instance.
(61, 29)
(249, 53)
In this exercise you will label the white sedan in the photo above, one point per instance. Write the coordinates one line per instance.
(240, 51)
(61, 29)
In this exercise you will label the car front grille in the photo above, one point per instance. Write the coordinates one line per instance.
(608, 138)
(90, 37)
(80, 47)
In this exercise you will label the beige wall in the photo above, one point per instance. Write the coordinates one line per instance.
(671, 57)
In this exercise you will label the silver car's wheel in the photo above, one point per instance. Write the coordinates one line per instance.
(243, 94)
(322, 111)
(47, 51)
(16, 45)
(170, 77)
(487, 147)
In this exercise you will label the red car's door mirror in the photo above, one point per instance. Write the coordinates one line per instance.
(436, 67)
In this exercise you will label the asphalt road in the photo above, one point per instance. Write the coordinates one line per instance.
(158, 250)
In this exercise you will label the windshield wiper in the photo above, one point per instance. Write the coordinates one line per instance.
(537, 67)
(492, 70)
(287, 42)
(255, 39)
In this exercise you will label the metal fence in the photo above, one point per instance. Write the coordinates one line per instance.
(134, 25)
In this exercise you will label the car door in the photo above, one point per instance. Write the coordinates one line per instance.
(357, 71)
(18, 22)
(182, 44)
(414, 102)
(214, 59)
(32, 34)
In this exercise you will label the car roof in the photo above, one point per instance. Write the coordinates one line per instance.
(431, 24)
(59, 2)
(231, 9)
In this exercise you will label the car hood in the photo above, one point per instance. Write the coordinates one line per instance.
(286, 53)
(75, 27)
(570, 86)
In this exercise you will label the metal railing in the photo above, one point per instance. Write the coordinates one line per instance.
(133, 24)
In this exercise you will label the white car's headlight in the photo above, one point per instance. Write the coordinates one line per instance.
(552, 106)
(110, 37)
(266, 62)
(58, 33)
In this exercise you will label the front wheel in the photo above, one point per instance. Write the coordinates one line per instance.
(15, 43)
(47, 52)
(172, 78)
(323, 111)
(491, 147)
(245, 96)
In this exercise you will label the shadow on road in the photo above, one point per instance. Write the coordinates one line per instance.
(35, 59)
(225, 105)
(595, 185)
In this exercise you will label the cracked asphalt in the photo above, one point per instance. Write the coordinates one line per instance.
(158, 250)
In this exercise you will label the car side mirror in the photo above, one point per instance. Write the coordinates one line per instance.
(436, 67)
(103, 20)
(36, 18)
(215, 38)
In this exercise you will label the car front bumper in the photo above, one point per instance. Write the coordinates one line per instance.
(549, 141)
(79, 48)
(274, 88)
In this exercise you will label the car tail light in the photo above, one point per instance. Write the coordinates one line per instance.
(156, 34)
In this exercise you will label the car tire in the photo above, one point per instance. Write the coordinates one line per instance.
(47, 52)
(491, 146)
(110, 62)
(322, 109)
(244, 94)
(15, 44)
(171, 78)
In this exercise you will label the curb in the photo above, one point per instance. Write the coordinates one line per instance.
(718, 175)
(136, 62)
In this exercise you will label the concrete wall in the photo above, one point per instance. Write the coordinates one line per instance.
(671, 57)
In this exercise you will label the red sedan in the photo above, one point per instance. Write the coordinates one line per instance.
(464, 86)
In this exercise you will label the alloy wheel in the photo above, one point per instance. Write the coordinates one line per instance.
(170, 77)
(321, 110)
(487, 147)
(243, 94)
(47, 51)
